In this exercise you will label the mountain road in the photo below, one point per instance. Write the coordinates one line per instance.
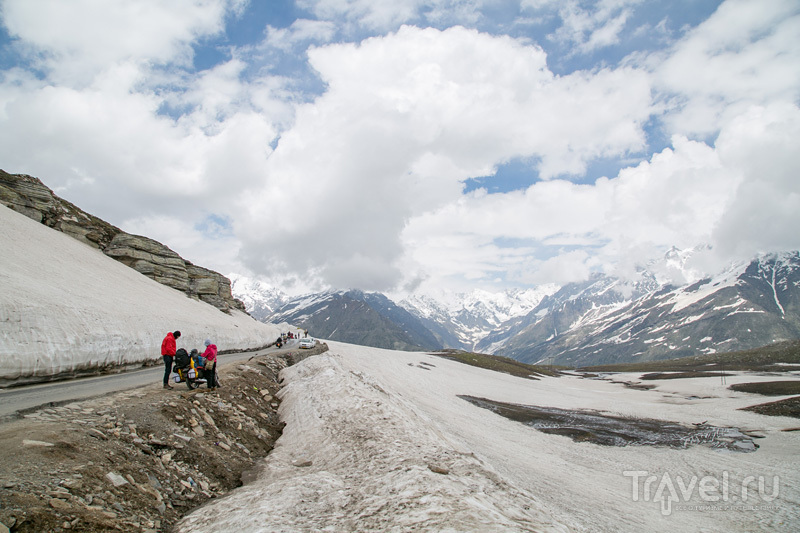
(18, 400)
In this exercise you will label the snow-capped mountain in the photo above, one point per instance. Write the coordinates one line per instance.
(677, 266)
(353, 316)
(746, 306)
(260, 299)
(663, 311)
(462, 320)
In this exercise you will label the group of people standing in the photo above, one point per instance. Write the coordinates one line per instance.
(292, 335)
(168, 349)
(280, 341)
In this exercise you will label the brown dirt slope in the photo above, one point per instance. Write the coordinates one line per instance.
(141, 459)
(788, 407)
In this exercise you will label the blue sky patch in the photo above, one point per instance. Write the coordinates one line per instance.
(215, 227)
(517, 174)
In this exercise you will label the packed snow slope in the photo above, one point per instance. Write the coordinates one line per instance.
(67, 308)
(379, 440)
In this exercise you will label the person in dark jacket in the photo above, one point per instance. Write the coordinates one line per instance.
(168, 347)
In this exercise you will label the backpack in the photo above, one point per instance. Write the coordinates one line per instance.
(181, 358)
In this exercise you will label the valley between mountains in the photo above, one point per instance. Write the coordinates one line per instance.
(602, 320)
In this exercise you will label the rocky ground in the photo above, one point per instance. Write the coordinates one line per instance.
(139, 460)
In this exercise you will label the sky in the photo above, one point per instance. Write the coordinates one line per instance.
(402, 146)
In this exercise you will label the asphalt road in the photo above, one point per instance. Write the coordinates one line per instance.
(22, 399)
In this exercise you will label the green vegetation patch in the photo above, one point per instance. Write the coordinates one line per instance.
(769, 388)
(776, 357)
(498, 364)
(788, 407)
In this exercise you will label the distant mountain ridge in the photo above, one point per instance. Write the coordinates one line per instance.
(260, 299)
(356, 317)
(463, 320)
(664, 312)
(749, 305)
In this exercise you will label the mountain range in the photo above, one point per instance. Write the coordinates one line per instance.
(602, 320)
(663, 311)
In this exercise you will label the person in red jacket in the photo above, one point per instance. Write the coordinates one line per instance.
(168, 347)
(211, 365)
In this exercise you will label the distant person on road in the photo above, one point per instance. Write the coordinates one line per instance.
(211, 365)
(168, 347)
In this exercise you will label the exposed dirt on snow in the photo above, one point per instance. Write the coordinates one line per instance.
(586, 425)
(788, 407)
(139, 460)
(769, 388)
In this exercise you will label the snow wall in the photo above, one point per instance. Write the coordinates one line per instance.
(66, 308)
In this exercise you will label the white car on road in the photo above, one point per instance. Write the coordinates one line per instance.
(307, 342)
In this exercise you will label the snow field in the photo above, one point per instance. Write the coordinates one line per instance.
(370, 423)
(373, 456)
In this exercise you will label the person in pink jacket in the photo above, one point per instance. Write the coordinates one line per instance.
(211, 365)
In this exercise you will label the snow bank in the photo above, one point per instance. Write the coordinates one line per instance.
(378, 440)
(357, 457)
(65, 306)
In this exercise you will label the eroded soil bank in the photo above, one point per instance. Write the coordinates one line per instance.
(141, 459)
